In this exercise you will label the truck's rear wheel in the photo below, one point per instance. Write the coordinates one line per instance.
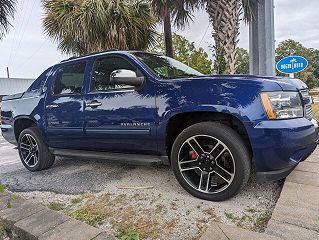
(210, 161)
(33, 151)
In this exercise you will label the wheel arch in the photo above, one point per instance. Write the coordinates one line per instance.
(21, 123)
(177, 122)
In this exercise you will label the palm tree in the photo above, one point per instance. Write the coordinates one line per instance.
(178, 11)
(87, 26)
(225, 17)
(7, 8)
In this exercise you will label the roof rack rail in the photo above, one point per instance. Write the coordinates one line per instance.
(94, 53)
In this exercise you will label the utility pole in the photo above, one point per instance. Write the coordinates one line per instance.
(8, 74)
(262, 39)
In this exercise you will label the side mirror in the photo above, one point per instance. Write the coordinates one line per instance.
(127, 77)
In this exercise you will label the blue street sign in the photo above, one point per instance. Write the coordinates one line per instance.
(292, 64)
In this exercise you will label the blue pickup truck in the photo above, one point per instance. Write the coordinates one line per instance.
(214, 131)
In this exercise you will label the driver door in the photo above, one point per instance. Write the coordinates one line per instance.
(119, 118)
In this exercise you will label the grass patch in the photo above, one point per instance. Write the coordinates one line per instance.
(3, 232)
(2, 188)
(13, 197)
(129, 235)
(56, 206)
(251, 218)
(76, 200)
(93, 218)
(230, 216)
(128, 218)
(315, 109)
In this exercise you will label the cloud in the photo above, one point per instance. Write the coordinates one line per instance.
(28, 52)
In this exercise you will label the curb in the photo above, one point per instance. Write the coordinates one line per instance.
(25, 220)
(296, 214)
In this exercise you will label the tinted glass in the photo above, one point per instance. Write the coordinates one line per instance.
(69, 79)
(165, 67)
(38, 83)
(102, 70)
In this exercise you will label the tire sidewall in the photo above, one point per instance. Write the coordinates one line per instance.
(34, 133)
(229, 137)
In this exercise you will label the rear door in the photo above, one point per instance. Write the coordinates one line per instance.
(119, 118)
(64, 106)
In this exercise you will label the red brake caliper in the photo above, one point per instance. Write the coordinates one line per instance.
(193, 155)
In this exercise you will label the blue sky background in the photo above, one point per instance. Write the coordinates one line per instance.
(28, 51)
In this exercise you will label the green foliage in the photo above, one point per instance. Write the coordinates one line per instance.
(7, 9)
(86, 26)
(56, 206)
(93, 218)
(315, 109)
(76, 200)
(242, 61)
(129, 235)
(2, 188)
(186, 52)
(13, 197)
(3, 232)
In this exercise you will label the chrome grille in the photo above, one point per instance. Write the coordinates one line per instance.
(308, 112)
(307, 103)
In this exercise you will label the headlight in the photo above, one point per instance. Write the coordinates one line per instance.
(282, 105)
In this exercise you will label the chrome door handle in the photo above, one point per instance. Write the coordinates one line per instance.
(94, 104)
(52, 106)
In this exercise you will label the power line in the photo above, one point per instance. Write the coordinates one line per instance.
(33, 54)
(204, 34)
(25, 28)
(16, 36)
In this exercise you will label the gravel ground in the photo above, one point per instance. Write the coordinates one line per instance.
(177, 214)
(164, 210)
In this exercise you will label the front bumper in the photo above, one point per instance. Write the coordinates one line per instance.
(278, 146)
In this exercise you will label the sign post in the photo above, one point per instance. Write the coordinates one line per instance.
(291, 65)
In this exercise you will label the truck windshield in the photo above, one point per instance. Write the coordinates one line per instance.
(165, 67)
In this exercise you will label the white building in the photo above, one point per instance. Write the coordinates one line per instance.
(10, 86)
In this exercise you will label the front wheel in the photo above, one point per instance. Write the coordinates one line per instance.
(33, 151)
(210, 161)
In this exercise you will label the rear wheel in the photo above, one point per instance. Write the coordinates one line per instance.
(210, 161)
(33, 151)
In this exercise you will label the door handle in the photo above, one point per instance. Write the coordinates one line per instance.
(52, 106)
(93, 104)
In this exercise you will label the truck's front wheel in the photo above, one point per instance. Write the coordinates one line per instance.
(210, 161)
(33, 151)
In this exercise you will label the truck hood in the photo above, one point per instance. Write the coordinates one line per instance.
(285, 83)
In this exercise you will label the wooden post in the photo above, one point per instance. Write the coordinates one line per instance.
(8, 74)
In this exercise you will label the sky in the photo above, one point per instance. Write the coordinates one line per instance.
(27, 51)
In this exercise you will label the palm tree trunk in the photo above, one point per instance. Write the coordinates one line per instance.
(225, 17)
(168, 35)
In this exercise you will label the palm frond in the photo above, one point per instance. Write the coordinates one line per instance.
(85, 26)
(7, 9)
(248, 9)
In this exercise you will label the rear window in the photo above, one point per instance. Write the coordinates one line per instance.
(69, 78)
(39, 82)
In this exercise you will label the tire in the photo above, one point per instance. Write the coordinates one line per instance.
(33, 151)
(213, 151)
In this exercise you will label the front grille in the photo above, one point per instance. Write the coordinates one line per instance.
(308, 112)
(307, 103)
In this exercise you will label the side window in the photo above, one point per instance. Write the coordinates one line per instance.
(102, 70)
(69, 79)
(38, 83)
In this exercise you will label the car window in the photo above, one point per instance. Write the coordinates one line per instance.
(39, 82)
(165, 67)
(69, 78)
(103, 67)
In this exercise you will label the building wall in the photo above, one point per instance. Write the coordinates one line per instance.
(10, 86)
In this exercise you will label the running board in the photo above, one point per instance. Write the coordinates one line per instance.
(134, 159)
